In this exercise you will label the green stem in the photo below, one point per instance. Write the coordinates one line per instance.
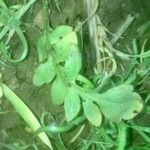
(132, 77)
(107, 138)
(103, 82)
(122, 136)
(59, 129)
(85, 80)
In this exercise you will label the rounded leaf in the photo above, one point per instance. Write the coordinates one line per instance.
(58, 33)
(58, 91)
(92, 112)
(71, 104)
(135, 107)
(62, 48)
(73, 63)
(44, 73)
(41, 47)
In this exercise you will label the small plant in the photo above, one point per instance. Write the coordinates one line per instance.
(107, 101)
(60, 65)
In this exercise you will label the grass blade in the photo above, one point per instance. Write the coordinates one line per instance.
(25, 113)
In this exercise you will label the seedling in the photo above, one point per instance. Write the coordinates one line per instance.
(106, 101)
(63, 69)
(60, 65)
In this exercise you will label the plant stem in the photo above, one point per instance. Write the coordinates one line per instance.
(59, 129)
(122, 136)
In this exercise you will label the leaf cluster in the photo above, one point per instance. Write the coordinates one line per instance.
(60, 64)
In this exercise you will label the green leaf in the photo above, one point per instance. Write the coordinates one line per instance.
(58, 91)
(25, 112)
(73, 63)
(71, 104)
(62, 48)
(41, 47)
(58, 33)
(44, 73)
(120, 103)
(68, 38)
(144, 55)
(92, 112)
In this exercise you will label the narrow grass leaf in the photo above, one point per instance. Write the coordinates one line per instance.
(144, 55)
(145, 136)
(142, 128)
(25, 113)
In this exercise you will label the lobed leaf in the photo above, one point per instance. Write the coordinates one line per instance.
(92, 112)
(120, 103)
(44, 73)
(71, 104)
